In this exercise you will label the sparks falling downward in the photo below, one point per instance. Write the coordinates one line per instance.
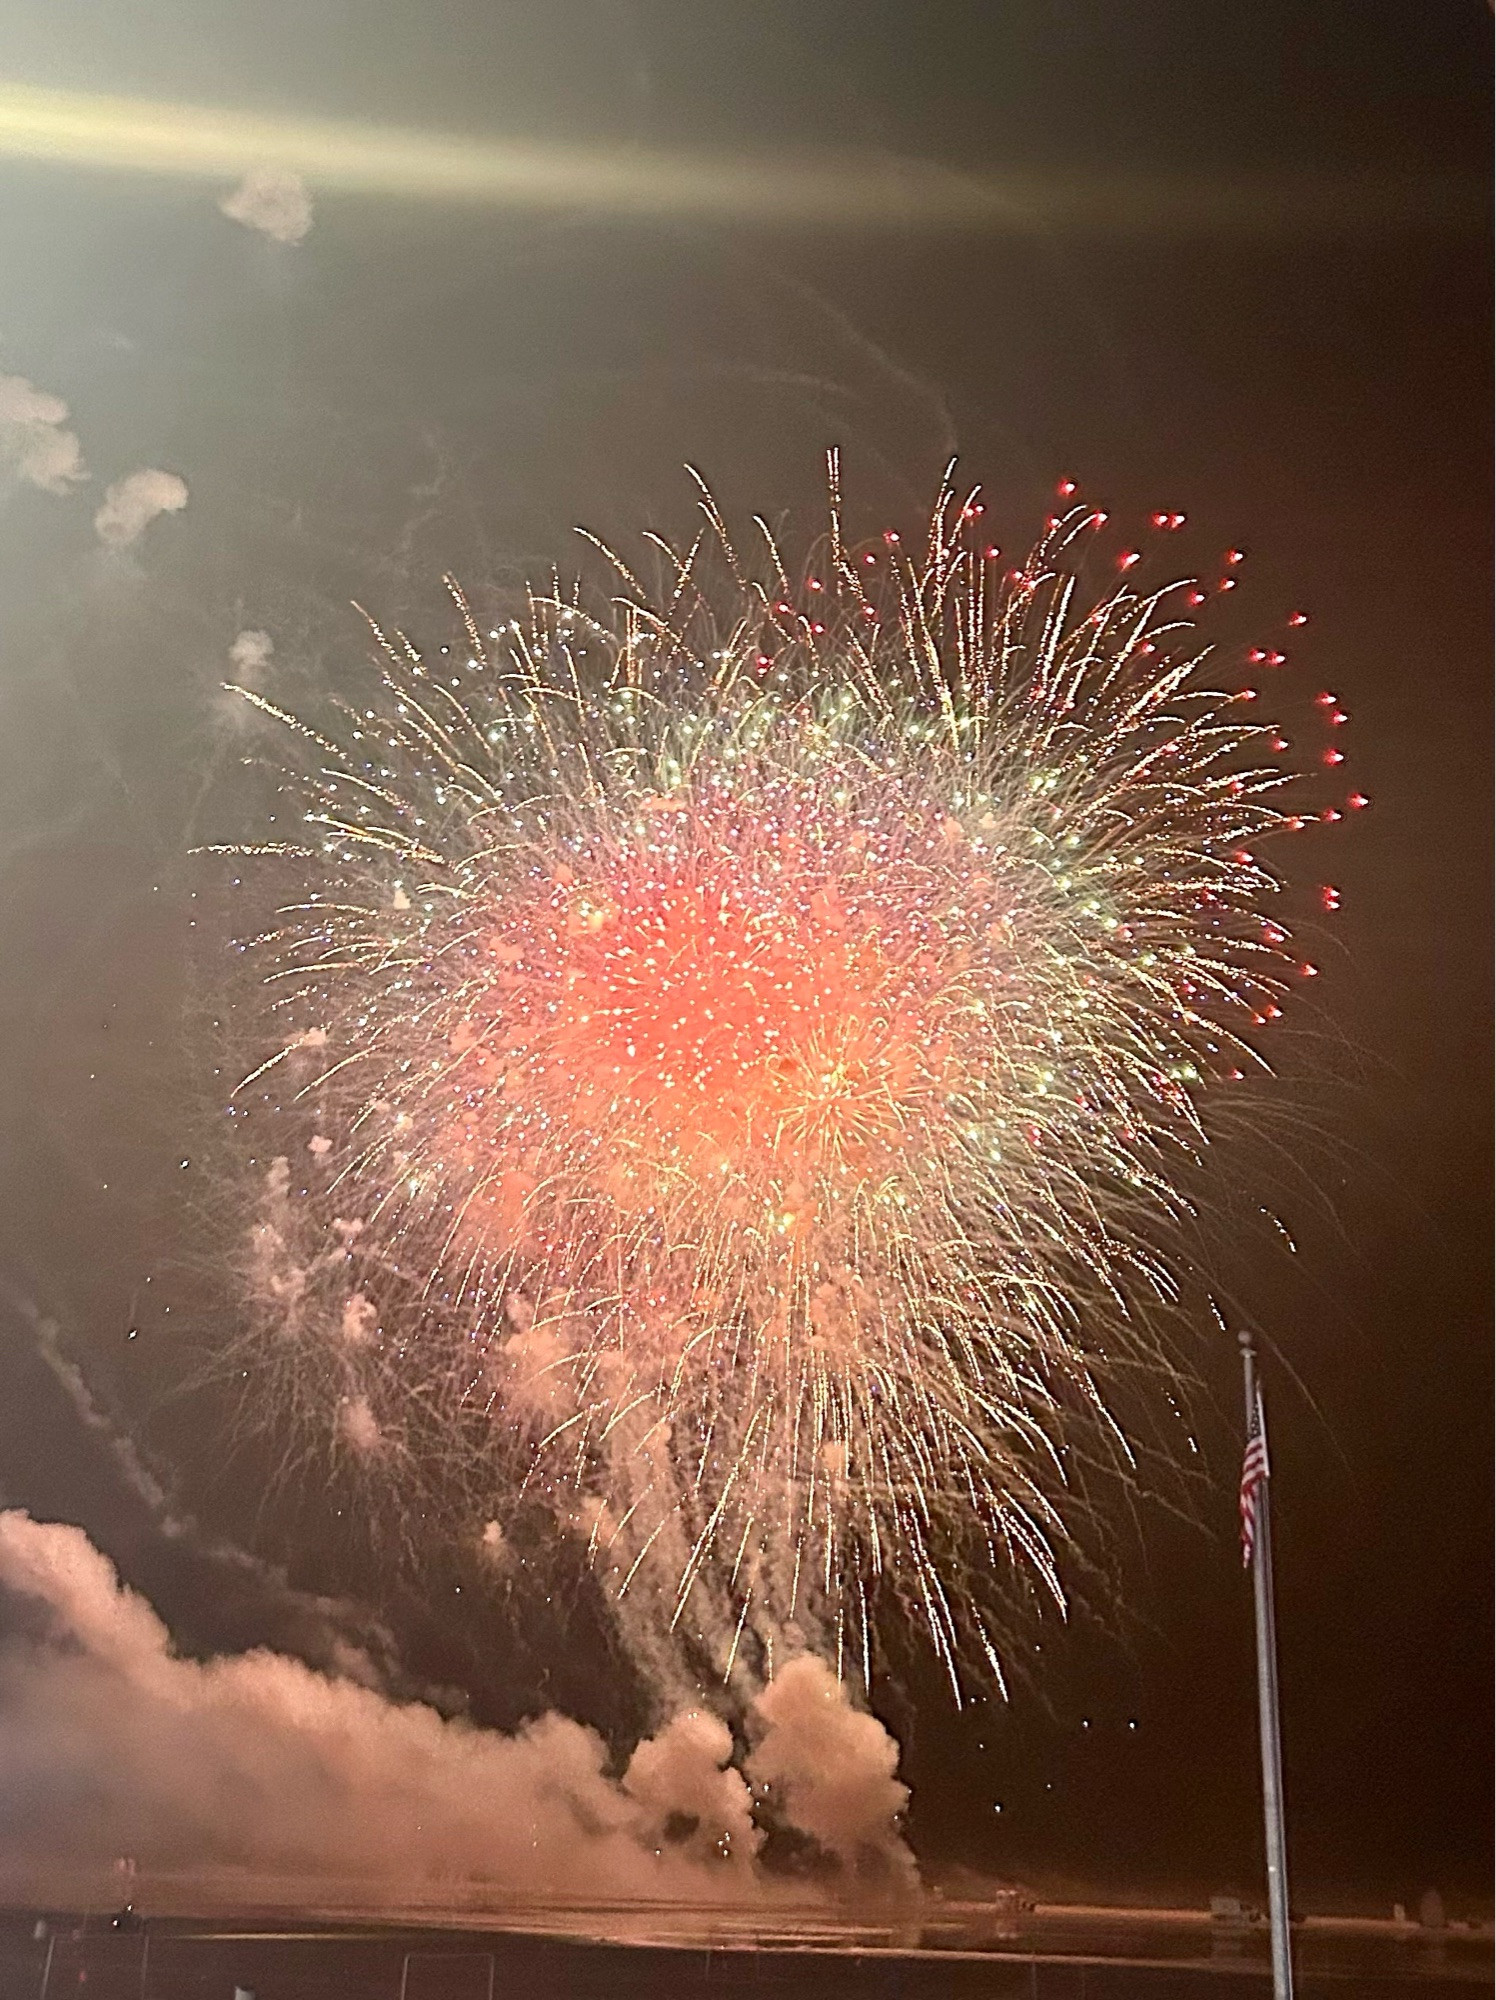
(748, 1037)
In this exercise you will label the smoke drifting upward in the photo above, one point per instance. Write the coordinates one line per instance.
(112, 1744)
(132, 503)
(33, 444)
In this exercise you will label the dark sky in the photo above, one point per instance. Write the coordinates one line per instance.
(1292, 344)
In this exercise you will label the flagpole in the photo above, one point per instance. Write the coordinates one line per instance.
(1267, 1703)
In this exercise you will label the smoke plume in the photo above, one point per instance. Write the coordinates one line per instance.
(683, 1781)
(33, 443)
(831, 1768)
(132, 503)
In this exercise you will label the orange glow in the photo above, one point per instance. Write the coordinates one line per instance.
(699, 1022)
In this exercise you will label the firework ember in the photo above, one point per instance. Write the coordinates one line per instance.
(749, 1038)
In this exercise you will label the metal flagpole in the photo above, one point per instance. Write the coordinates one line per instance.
(1267, 1698)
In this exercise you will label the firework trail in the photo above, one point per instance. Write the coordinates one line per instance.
(747, 1040)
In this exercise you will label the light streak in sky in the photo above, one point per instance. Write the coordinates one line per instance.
(784, 186)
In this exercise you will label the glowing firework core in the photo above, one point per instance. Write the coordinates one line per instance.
(729, 1007)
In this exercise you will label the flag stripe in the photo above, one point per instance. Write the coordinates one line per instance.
(1254, 1469)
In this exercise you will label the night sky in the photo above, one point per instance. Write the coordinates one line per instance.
(1265, 302)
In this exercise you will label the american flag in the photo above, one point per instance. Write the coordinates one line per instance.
(1254, 1469)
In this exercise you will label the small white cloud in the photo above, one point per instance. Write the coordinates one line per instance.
(250, 654)
(131, 504)
(249, 664)
(32, 441)
(273, 201)
(360, 1426)
(360, 1319)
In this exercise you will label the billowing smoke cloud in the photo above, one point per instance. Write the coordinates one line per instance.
(112, 1744)
(832, 1769)
(132, 503)
(683, 1781)
(273, 201)
(33, 443)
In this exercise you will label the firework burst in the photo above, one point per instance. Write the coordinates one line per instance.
(748, 1038)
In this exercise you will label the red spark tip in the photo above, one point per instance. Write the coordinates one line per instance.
(891, 538)
(1065, 488)
(1280, 743)
(813, 583)
(1195, 597)
(1357, 801)
(1129, 557)
(1236, 555)
(1338, 717)
(871, 560)
(991, 555)
(1308, 971)
(1227, 583)
(1325, 700)
(1257, 656)
(1329, 896)
(1276, 659)
(1298, 617)
(1330, 815)
(1333, 757)
(1100, 518)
